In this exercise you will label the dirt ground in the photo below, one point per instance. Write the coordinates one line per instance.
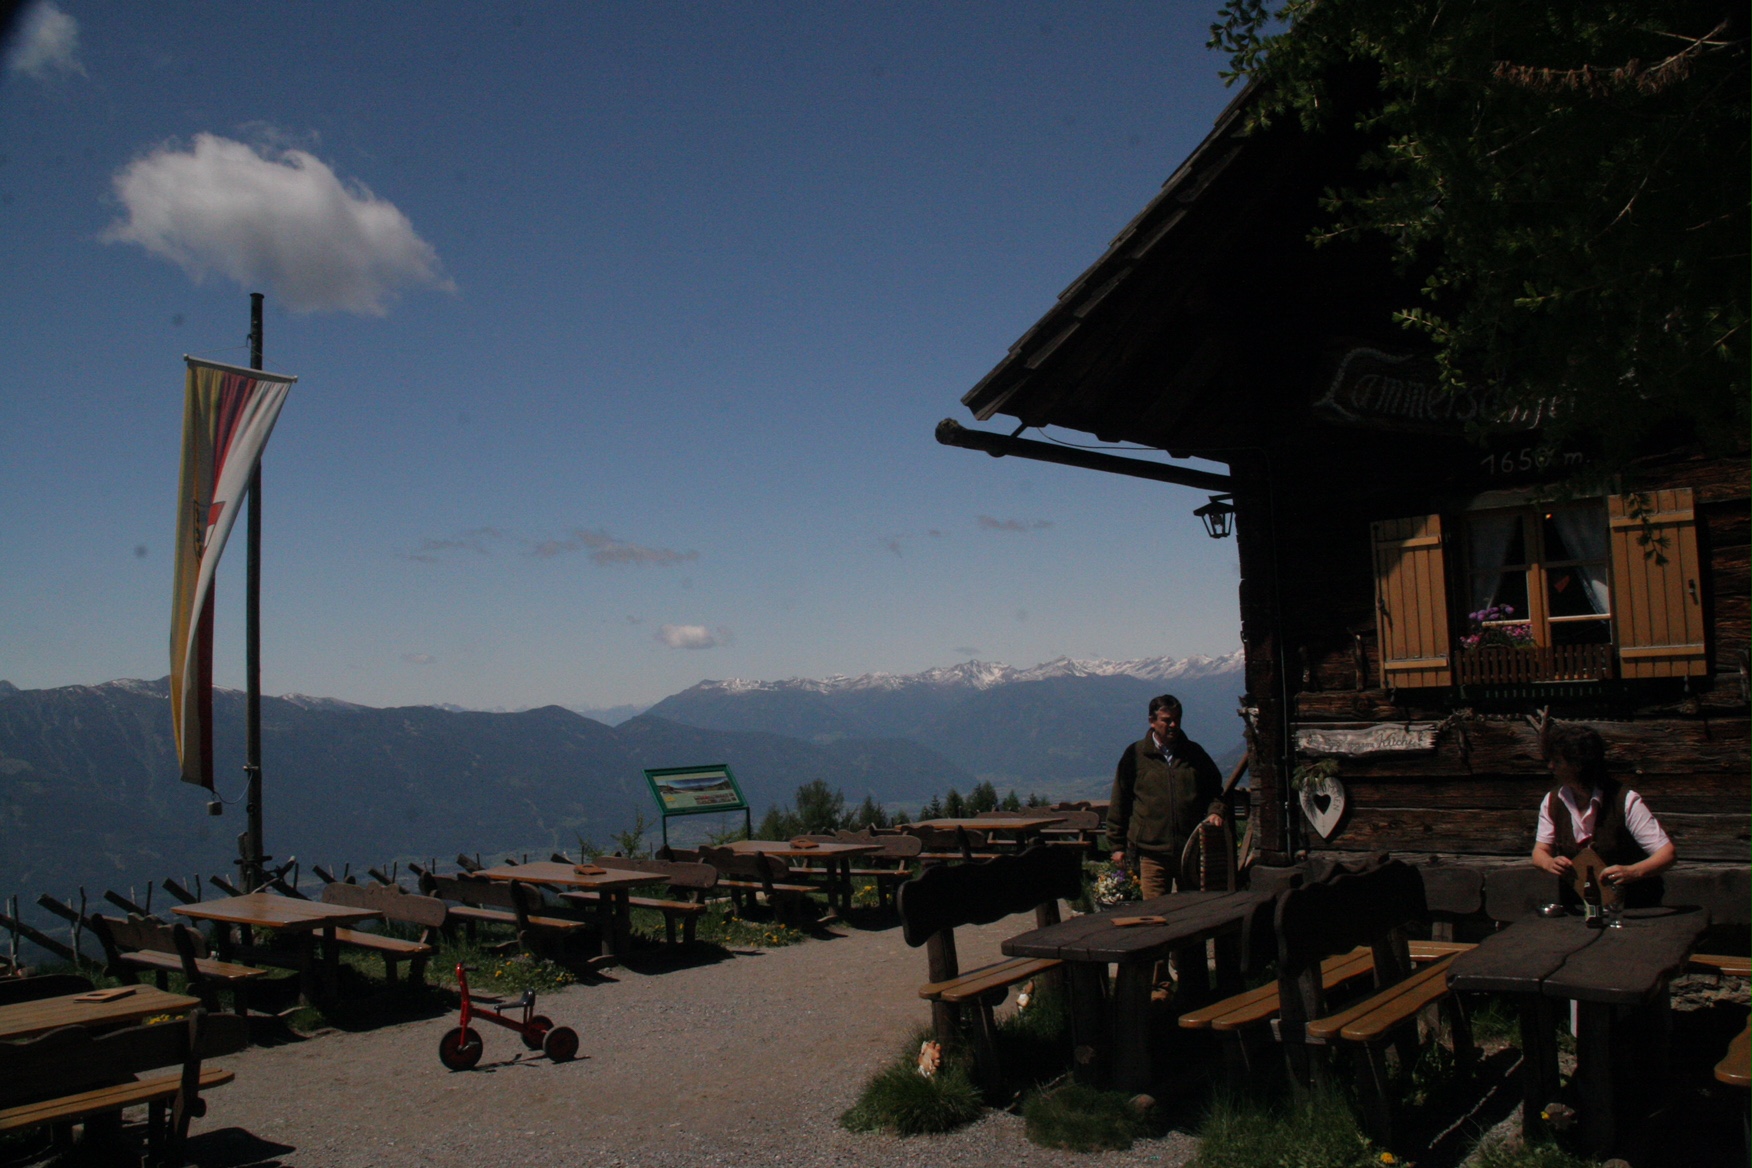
(749, 1060)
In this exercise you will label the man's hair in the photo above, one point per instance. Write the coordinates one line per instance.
(1168, 701)
(1580, 746)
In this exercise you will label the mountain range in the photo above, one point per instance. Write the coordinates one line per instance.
(90, 797)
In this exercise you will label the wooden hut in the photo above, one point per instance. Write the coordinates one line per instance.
(1371, 529)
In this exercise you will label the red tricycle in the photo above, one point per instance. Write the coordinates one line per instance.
(460, 1049)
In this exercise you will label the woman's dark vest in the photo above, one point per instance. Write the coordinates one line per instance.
(1612, 840)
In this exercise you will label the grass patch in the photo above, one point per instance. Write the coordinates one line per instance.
(1493, 1021)
(1034, 1043)
(1506, 1154)
(899, 1099)
(1083, 1119)
(1323, 1134)
(497, 973)
(721, 925)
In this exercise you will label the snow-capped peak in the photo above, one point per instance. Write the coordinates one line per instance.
(986, 674)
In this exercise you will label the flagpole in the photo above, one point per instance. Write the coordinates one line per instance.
(252, 855)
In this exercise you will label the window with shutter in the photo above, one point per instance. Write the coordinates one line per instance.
(1656, 575)
(1411, 602)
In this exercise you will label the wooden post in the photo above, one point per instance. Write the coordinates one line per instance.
(1261, 637)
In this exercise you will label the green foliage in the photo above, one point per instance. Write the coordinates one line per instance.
(779, 823)
(1082, 1119)
(631, 843)
(954, 806)
(983, 797)
(1011, 803)
(932, 810)
(1245, 1134)
(899, 1099)
(1567, 178)
(821, 808)
(496, 973)
(868, 814)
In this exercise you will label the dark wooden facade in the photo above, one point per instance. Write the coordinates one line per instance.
(1212, 328)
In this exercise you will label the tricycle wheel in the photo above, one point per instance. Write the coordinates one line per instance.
(537, 1028)
(460, 1049)
(561, 1044)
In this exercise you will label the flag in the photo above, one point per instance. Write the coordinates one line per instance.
(228, 414)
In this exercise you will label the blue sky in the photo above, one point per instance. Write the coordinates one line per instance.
(621, 333)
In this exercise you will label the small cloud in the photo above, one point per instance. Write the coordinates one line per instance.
(479, 541)
(935, 533)
(140, 552)
(991, 524)
(278, 217)
(605, 550)
(418, 658)
(967, 650)
(692, 637)
(48, 44)
(892, 543)
(634, 620)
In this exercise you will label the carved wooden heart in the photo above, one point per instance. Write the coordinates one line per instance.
(1323, 804)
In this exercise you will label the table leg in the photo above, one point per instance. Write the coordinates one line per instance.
(1538, 1061)
(1228, 946)
(1089, 1041)
(1131, 1026)
(1594, 1073)
(607, 914)
(331, 963)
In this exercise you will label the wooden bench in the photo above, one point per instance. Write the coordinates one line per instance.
(70, 1076)
(942, 846)
(692, 881)
(750, 874)
(427, 913)
(138, 943)
(1734, 1068)
(1721, 964)
(943, 898)
(890, 866)
(1370, 908)
(474, 902)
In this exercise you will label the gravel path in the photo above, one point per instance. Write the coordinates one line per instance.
(746, 1061)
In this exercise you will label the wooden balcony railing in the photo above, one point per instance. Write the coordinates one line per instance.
(1505, 665)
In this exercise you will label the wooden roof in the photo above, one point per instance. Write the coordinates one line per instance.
(1209, 307)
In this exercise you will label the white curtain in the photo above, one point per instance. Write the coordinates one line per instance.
(1583, 530)
(1491, 536)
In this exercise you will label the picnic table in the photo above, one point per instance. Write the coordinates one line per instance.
(1612, 974)
(1021, 828)
(28, 1019)
(835, 857)
(298, 921)
(613, 909)
(1116, 1027)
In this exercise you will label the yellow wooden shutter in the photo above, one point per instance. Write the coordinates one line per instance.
(1411, 602)
(1655, 599)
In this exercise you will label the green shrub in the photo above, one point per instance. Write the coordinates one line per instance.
(1082, 1119)
(899, 1099)
(1323, 1134)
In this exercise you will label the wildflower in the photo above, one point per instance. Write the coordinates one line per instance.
(1388, 1158)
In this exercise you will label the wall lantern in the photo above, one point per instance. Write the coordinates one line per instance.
(1218, 516)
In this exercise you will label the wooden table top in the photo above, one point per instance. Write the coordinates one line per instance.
(1562, 958)
(1006, 823)
(265, 910)
(1187, 917)
(554, 872)
(28, 1019)
(789, 850)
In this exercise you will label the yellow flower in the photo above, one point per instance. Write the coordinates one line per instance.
(1546, 1116)
(1387, 1158)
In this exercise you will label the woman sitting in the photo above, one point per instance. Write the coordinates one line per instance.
(1588, 808)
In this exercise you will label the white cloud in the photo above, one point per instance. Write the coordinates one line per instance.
(692, 637)
(280, 218)
(48, 43)
(605, 550)
(991, 524)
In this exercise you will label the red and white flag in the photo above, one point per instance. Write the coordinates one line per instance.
(228, 414)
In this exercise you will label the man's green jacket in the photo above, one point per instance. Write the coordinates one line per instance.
(1156, 801)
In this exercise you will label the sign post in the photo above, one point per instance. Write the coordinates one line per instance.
(697, 790)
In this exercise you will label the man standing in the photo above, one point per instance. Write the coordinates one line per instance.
(1164, 785)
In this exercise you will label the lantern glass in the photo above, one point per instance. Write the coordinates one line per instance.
(1218, 516)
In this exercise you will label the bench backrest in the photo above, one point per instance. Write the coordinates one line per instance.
(120, 935)
(946, 897)
(1452, 891)
(427, 912)
(944, 839)
(1320, 919)
(681, 876)
(502, 894)
(72, 1059)
(43, 985)
(746, 865)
